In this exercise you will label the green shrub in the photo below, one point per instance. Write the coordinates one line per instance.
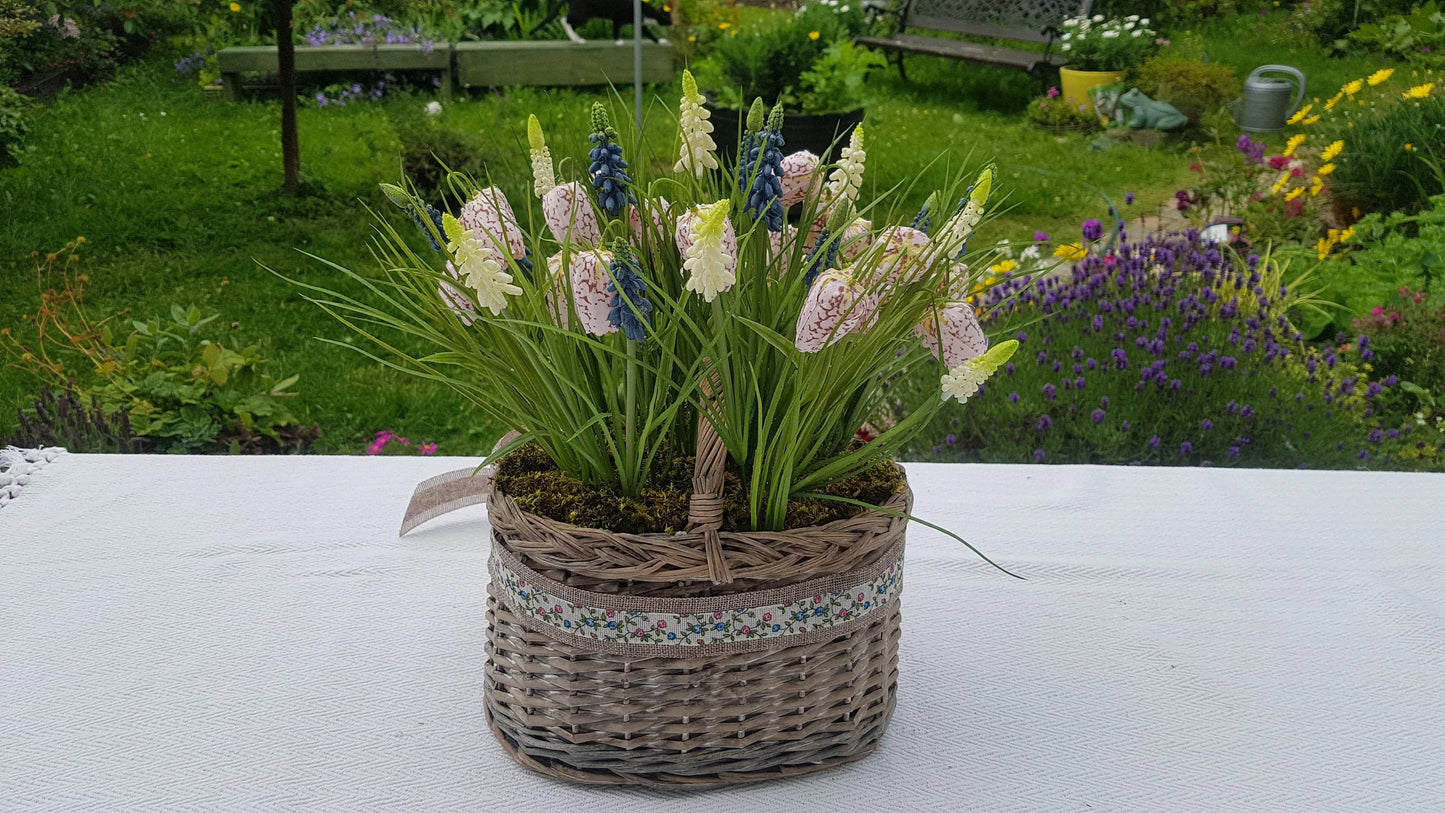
(770, 62)
(1331, 21)
(1193, 87)
(1392, 159)
(1419, 35)
(430, 150)
(1406, 339)
(14, 125)
(1052, 113)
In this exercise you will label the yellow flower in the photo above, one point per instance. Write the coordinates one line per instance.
(692, 38)
(1381, 75)
(1311, 119)
(1071, 252)
(812, 35)
(1347, 234)
(1004, 267)
(1351, 88)
(1325, 170)
(1334, 100)
(1409, 147)
(1332, 151)
(1280, 184)
(1293, 144)
(1323, 247)
(1294, 193)
(235, 7)
(724, 26)
(1299, 115)
(1316, 185)
(1419, 91)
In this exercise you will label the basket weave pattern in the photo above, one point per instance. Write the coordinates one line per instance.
(578, 711)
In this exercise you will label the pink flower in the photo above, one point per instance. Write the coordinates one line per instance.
(490, 219)
(842, 613)
(717, 615)
(662, 625)
(767, 616)
(817, 599)
(557, 609)
(746, 630)
(800, 176)
(1053, 93)
(638, 633)
(428, 448)
(659, 210)
(590, 297)
(452, 296)
(609, 613)
(829, 312)
(569, 214)
(860, 596)
(963, 336)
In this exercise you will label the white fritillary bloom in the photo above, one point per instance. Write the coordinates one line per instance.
(800, 174)
(829, 312)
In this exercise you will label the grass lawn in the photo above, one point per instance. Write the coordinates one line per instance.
(177, 199)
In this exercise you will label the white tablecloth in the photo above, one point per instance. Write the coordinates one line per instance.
(250, 634)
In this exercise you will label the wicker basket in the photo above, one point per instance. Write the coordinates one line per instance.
(695, 659)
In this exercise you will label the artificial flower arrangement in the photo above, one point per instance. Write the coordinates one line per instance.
(650, 320)
(1115, 44)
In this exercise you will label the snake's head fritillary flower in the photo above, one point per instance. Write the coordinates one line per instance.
(828, 312)
(963, 382)
(800, 176)
(488, 216)
(658, 210)
(711, 256)
(586, 273)
(543, 176)
(456, 300)
(957, 330)
(570, 216)
(904, 257)
(698, 151)
(480, 265)
(856, 239)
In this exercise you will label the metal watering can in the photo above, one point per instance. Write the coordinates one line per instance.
(1266, 103)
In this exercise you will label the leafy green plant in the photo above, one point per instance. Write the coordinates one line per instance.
(1416, 35)
(14, 125)
(835, 80)
(1405, 338)
(181, 390)
(430, 150)
(1393, 157)
(770, 62)
(1194, 87)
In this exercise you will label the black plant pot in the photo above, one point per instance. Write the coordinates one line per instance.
(815, 133)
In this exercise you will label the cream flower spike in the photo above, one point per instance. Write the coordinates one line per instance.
(964, 381)
(698, 148)
(956, 231)
(543, 176)
(847, 177)
(479, 266)
(712, 259)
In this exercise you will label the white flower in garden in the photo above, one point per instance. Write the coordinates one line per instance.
(569, 215)
(1030, 253)
(829, 312)
(963, 382)
(711, 255)
(1137, 34)
(962, 337)
(1070, 23)
(1098, 18)
(433, 108)
(1128, 26)
(1064, 47)
(586, 272)
(847, 177)
(489, 216)
(1144, 22)
(698, 148)
(480, 267)
(956, 231)
(1110, 34)
(543, 176)
(799, 174)
(1134, 18)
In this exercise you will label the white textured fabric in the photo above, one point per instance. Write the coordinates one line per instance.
(250, 634)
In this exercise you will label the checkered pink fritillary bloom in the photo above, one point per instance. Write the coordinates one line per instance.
(658, 208)
(800, 176)
(568, 212)
(586, 272)
(958, 332)
(488, 216)
(856, 239)
(829, 312)
(904, 251)
(455, 299)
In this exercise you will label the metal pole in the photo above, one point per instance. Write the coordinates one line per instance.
(637, 61)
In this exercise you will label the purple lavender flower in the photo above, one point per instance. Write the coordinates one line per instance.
(1044, 423)
(1128, 198)
(1098, 416)
(1206, 425)
(1186, 448)
(1038, 455)
(951, 439)
(1154, 442)
(1233, 451)
(1124, 427)
(1093, 229)
(1013, 398)
(1049, 393)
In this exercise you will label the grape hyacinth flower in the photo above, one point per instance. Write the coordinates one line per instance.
(953, 235)
(765, 164)
(824, 254)
(608, 170)
(711, 256)
(629, 308)
(544, 178)
(698, 149)
(964, 381)
(846, 179)
(480, 266)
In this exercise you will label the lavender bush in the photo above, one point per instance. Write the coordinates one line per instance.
(1168, 351)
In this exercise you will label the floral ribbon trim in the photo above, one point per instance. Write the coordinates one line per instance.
(681, 627)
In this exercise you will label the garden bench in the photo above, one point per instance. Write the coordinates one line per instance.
(336, 58)
(1017, 20)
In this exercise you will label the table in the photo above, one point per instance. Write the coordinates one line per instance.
(251, 634)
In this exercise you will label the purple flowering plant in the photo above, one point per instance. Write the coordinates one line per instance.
(1171, 351)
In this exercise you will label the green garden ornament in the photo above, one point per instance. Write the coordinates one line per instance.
(1146, 113)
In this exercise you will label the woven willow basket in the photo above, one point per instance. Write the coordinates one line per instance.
(701, 658)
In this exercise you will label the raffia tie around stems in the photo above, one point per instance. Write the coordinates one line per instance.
(705, 508)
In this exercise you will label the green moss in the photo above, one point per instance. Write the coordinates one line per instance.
(529, 477)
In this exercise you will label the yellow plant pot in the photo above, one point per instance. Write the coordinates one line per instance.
(1074, 85)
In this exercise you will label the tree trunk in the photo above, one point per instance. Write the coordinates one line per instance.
(286, 56)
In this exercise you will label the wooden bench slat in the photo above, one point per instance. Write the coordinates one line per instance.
(963, 51)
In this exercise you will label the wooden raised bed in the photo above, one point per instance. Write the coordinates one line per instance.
(557, 63)
(335, 58)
